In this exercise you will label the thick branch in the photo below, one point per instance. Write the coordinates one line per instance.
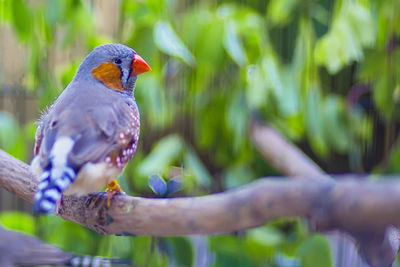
(353, 206)
(379, 248)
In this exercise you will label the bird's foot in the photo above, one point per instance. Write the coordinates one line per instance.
(112, 189)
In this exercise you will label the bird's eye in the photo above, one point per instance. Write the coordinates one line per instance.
(117, 61)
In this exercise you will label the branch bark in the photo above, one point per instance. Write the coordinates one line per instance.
(379, 249)
(350, 205)
(361, 208)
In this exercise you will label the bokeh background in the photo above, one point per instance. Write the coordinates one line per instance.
(324, 73)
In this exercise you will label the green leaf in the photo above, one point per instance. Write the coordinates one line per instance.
(181, 249)
(315, 252)
(18, 221)
(151, 93)
(257, 87)
(393, 164)
(314, 121)
(280, 11)
(233, 44)
(65, 234)
(237, 175)
(22, 19)
(5, 11)
(194, 166)
(164, 153)
(237, 118)
(334, 129)
(351, 31)
(267, 236)
(168, 41)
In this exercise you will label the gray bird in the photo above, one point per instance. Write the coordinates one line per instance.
(86, 137)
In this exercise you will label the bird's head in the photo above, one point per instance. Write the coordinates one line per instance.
(115, 65)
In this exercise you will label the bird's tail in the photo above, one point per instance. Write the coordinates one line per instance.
(55, 178)
(88, 261)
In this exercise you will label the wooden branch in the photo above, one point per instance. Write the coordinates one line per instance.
(349, 205)
(379, 248)
(361, 208)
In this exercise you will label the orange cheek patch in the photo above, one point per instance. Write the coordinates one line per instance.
(109, 74)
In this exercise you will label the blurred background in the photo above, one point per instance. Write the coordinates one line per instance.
(324, 73)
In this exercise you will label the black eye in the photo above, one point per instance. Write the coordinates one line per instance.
(117, 61)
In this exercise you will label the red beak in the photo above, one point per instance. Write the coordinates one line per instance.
(139, 65)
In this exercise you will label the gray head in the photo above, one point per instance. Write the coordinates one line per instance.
(114, 65)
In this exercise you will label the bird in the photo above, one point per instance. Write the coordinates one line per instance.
(86, 137)
(19, 249)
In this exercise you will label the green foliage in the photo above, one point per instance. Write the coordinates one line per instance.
(352, 29)
(167, 41)
(18, 221)
(315, 251)
(215, 64)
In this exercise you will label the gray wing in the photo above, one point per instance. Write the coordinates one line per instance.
(95, 123)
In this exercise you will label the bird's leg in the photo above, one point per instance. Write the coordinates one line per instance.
(112, 189)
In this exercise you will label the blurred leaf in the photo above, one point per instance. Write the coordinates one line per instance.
(393, 164)
(315, 252)
(257, 87)
(174, 185)
(314, 122)
(18, 221)
(384, 92)
(67, 235)
(237, 119)
(334, 129)
(157, 185)
(237, 175)
(22, 19)
(194, 166)
(281, 11)
(267, 236)
(352, 29)
(180, 249)
(67, 72)
(282, 260)
(233, 45)
(5, 11)
(151, 94)
(162, 155)
(168, 41)
(144, 253)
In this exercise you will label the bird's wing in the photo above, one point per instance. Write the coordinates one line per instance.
(113, 130)
(99, 130)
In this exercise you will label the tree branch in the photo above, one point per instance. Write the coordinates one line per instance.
(349, 205)
(379, 249)
(361, 208)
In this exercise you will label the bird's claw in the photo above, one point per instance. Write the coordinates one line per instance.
(112, 189)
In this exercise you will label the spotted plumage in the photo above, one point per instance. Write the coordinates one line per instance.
(85, 139)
